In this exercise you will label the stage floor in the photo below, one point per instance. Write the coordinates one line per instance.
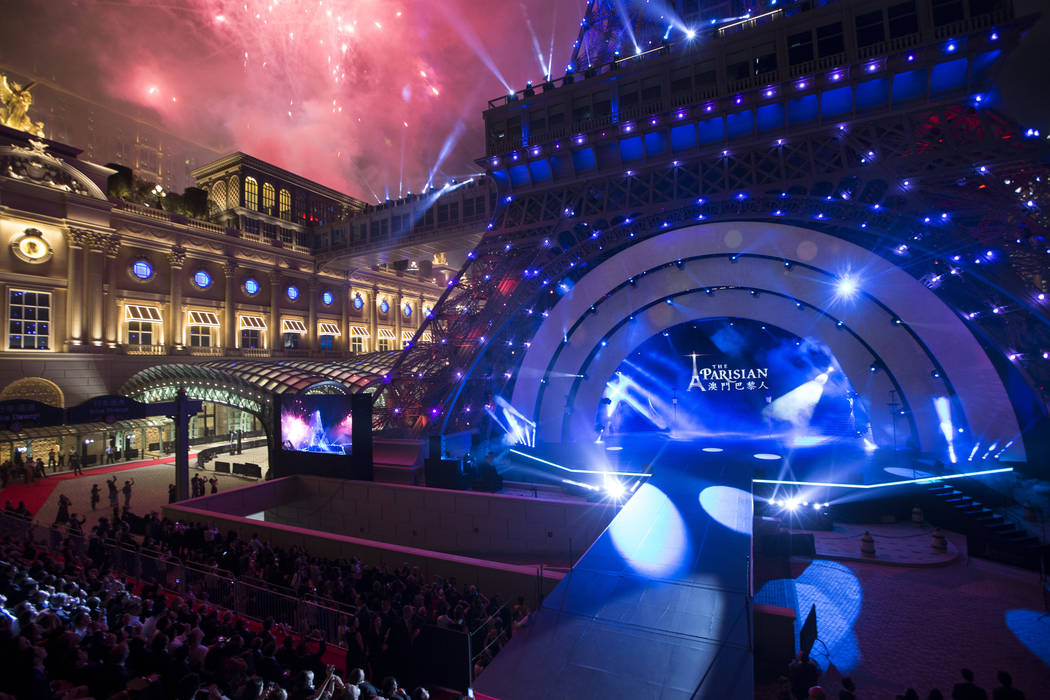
(657, 606)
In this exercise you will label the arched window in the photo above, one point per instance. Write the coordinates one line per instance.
(285, 211)
(233, 193)
(268, 194)
(217, 196)
(251, 193)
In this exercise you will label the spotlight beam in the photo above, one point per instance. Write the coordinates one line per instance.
(581, 471)
(924, 480)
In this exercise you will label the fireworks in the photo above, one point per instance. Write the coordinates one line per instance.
(361, 95)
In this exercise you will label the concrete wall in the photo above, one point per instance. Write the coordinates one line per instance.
(457, 522)
(506, 580)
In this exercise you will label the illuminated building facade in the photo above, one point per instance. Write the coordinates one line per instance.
(97, 289)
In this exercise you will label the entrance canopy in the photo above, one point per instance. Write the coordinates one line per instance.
(252, 384)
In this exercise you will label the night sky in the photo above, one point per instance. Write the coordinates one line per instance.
(335, 90)
(360, 95)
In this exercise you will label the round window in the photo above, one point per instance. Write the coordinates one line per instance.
(251, 286)
(202, 279)
(384, 306)
(428, 311)
(408, 309)
(327, 298)
(293, 292)
(142, 269)
(358, 301)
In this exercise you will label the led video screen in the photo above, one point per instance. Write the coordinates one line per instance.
(322, 424)
(732, 377)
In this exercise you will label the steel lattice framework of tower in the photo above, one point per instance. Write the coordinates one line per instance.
(930, 183)
(613, 30)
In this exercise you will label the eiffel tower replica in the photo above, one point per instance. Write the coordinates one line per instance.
(875, 123)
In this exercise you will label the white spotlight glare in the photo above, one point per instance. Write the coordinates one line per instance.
(846, 287)
(690, 33)
(615, 489)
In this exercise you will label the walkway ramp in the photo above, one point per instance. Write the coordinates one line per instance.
(657, 607)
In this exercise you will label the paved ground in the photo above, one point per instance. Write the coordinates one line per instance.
(149, 492)
(895, 627)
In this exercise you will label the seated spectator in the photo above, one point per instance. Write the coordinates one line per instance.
(1006, 689)
(968, 690)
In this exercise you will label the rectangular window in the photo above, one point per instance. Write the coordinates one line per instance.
(869, 28)
(706, 74)
(384, 345)
(983, 7)
(200, 336)
(737, 67)
(357, 344)
(290, 341)
(800, 47)
(325, 342)
(829, 40)
(651, 90)
(140, 333)
(681, 81)
(251, 338)
(29, 325)
(765, 58)
(947, 11)
(903, 19)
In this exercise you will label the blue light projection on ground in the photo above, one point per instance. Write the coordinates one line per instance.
(731, 507)
(1032, 629)
(837, 593)
(650, 534)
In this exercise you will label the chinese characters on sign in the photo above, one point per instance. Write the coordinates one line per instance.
(723, 378)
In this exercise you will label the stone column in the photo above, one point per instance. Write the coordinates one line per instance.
(75, 299)
(94, 293)
(274, 331)
(373, 320)
(229, 321)
(111, 248)
(344, 319)
(398, 315)
(311, 316)
(176, 258)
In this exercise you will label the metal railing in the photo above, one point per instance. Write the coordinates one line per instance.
(193, 581)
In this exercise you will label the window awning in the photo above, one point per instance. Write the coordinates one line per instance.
(293, 325)
(407, 334)
(204, 318)
(254, 323)
(328, 328)
(359, 332)
(387, 334)
(144, 314)
(427, 337)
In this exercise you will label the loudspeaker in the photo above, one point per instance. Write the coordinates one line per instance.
(441, 473)
(361, 435)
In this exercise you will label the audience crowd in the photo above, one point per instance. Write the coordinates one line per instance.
(79, 630)
(802, 683)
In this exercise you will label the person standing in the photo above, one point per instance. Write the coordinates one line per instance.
(61, 458)
(109, 454)
(52, 461)
(74, 463)
(173, 493)
(127, 492)
(96, 496)
(214, 481)
(111, 484)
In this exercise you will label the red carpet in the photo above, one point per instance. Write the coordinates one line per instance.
(36, 493)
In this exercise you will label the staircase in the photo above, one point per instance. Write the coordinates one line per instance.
(989, 534)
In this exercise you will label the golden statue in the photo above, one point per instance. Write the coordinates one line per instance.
(440, 259)
(15, 101)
